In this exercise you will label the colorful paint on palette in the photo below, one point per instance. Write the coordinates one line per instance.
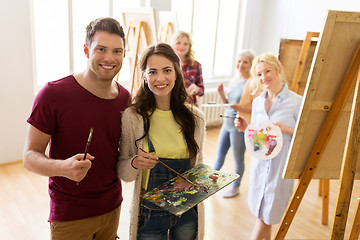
(263, 143)
(261, 140)
(177, 196)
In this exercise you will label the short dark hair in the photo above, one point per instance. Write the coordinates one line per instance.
(106, 24)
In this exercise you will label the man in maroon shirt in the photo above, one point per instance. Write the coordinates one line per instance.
(84, 189)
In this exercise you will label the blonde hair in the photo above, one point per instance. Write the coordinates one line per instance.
(274, 62)
(190, 54)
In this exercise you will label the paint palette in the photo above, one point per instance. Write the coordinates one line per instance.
(264, 143)
(177, 196)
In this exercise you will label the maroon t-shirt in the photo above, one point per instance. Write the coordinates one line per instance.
(66, 111)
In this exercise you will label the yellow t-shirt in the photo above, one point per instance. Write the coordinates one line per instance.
(166, 136)
(167, 139)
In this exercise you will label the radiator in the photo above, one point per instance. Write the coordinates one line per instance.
(212, 114)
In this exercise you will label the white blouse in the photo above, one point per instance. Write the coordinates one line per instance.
(269, 193)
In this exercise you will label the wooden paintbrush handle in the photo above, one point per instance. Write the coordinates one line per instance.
(178, 174)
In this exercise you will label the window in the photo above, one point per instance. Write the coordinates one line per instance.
(214, 30)
(59, 34)
(51, 37)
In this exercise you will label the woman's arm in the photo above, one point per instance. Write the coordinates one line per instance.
(221, 91)
(199, 79)
(240, 108)
(200, 131)
(128, 150)
(132, 159)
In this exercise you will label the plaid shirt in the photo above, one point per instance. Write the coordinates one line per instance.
(193, 74)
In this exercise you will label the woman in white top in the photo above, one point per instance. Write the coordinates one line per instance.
(269, 193)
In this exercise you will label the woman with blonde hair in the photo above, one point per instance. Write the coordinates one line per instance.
(269, 193)
(192, 70)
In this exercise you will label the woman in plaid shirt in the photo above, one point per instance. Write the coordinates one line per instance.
(191, 68)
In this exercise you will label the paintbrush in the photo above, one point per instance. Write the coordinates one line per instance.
(178, 174)
(224, 116)
(88, 142)
(87, 145)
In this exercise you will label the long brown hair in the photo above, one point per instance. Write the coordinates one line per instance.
(145, 104)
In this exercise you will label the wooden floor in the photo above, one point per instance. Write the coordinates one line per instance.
(24, 206)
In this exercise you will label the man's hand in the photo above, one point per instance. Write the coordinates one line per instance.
(75, 168)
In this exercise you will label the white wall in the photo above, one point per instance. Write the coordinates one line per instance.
(159, 5)
(16, 79)
(267, 21)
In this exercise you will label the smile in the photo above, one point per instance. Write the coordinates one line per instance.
(161, 86)
(107, 67)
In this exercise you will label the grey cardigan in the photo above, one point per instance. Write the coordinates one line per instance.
(132, 129)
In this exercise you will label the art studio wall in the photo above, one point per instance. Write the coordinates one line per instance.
(267, 21)
(16, 77)
(264, 23)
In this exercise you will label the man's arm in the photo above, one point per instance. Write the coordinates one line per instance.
(36, 161)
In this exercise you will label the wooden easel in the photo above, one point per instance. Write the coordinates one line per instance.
(301, 61)
(355, 229)
(135, 30)
(324, 184)
(348, 168)
(324, 189)
(165, 32)
(348, 83)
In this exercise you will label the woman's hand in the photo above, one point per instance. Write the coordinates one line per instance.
(240, 123)
(222, 93)
(192, 89)
(144, 161)
(220, 88)
(284, 128)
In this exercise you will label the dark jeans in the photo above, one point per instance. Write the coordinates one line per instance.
(156, 223)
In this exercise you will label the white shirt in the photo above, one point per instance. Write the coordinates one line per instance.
(269, 193)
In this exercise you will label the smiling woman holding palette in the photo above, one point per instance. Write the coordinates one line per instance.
(269, 193)
(159, 125)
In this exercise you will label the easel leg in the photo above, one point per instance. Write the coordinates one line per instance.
(138, 35)
(302, 60)
(355, 229)
(325, 201)
(348, 169)
(324, 188)
(320, 187)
